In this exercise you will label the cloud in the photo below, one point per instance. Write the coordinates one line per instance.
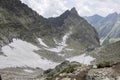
(101, 7)
(47, 8)
(53, 8)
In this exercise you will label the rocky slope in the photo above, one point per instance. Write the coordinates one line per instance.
(75, 71)
(30, 43)
(106, 66)
(82, 36)
(108, 27)
(29, 37)
(14, 12)
(109, 54)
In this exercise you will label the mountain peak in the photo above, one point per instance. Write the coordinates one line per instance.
(113, 14)
(60, 19)
(73, 11)
(97, 15)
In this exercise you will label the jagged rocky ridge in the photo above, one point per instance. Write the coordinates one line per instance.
(15, 14)
(108, 27)
(69, 34)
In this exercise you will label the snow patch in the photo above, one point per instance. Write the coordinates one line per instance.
(82, 59)
(57, 49)
(21, 54)
(41, 42)
(61, 45)
(29, 71)
(61, 54)
(64, 39)
(69, 49)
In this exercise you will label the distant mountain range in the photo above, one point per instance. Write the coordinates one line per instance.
(108, 27)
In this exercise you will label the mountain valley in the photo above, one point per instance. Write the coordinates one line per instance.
(33, 47)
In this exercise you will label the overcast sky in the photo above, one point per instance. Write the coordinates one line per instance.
(53, 8)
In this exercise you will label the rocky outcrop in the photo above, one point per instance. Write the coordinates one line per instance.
(83, 72)
(106, 73)
(65, 66)
(67, 71)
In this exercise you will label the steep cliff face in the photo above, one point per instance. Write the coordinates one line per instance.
(83, 35)
(14, 21)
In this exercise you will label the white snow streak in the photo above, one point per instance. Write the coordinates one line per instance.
(61, 45)
(21, 54)
(57, 49)
(69, 49)
(65, 37)
(41, 42)
(29, 71)
(82, 59)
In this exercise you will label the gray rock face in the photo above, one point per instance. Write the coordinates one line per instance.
(14, 21)
(83, 34)
(19, 21)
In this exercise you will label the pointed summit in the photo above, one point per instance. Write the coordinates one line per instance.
(73, 11)
(115, 14)
(68, 13)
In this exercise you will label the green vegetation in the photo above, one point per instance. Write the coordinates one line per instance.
(104, 64)
(62, 69)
